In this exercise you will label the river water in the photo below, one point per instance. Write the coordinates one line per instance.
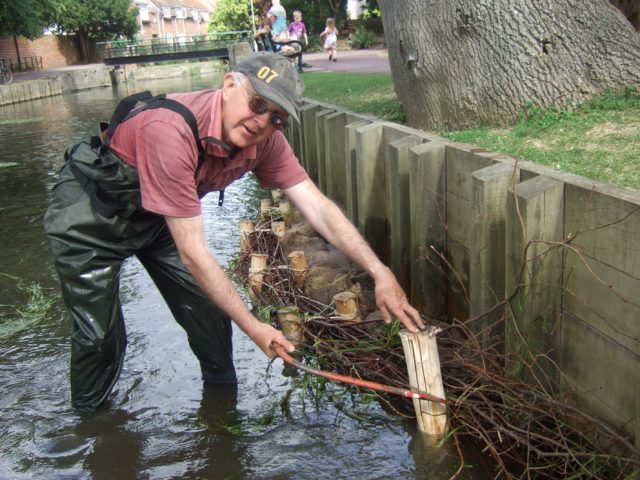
(160, 421)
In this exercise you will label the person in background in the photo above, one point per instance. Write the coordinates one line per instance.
(278, 21)
(330, 35)
(298, 31)
(264, 35)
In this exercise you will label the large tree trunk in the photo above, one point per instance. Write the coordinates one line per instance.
(463, 63)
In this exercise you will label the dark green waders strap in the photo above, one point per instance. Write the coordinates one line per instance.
(109, 205)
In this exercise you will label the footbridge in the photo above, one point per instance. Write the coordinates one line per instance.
(124, 52)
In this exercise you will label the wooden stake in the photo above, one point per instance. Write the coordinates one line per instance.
(276, 195)
(285, 210)
(347, 305)
(291, 324)
(299, 270)
(423, 365)
(265, 208)
(258, 264)
(246, 227)
(279, 228)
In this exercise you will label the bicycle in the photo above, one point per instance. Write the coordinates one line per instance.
(6, 75)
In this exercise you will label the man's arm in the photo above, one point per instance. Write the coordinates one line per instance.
(188, 233)
(329, 221)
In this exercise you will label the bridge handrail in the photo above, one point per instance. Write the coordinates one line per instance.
(185, 43)
(181, 39)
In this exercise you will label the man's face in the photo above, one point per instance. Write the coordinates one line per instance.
(241, 126)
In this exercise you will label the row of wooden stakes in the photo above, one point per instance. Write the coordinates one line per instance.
(420, 348)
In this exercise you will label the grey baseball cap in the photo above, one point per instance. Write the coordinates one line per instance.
(274, 77)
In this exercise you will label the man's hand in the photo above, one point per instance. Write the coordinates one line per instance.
(392, 301)
(265, 335)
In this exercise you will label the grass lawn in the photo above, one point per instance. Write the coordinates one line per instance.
(599, 139)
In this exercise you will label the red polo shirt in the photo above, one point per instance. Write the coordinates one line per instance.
(160, 146)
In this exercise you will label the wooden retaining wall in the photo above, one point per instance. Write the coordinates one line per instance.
(478, 235)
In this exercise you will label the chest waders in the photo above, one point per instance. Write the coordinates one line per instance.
(95, 221)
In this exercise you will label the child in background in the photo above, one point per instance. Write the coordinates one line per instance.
(330, 35)
(298, 31)
(297, 28)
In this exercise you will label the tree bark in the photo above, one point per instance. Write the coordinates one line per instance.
(463, 63)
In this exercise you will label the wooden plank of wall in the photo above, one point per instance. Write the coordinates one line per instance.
(534, 272)
(398, 207)
(603, 297)
(490, 187)
(600, 375)
(428, 228)
(457, 271)
(351, 197)
(321, 156)
(307, 115)
(337, 161)
(605, 227)
(370, 180)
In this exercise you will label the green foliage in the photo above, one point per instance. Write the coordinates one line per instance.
(28, 18)
(97, 18)
(362, 38)
(370, 13)
(231, 15)
(24, 316)
(370, 10)
(315, 14)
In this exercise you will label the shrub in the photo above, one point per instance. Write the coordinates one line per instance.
(362, 38)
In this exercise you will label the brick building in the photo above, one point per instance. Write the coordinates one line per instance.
(173, 18)
(168, 19)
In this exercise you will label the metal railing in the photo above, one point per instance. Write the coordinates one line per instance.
(178, 44)
(24, 64)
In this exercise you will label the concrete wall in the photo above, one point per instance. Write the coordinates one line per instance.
(58, 82)
(482, 237)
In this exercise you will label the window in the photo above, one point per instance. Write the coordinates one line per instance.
(195, 14)
(205, 16)
(143, 11)
(181, 12)
(166, 11)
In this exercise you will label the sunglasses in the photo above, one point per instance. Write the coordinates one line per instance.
(259, 106)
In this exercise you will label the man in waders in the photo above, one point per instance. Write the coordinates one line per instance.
(134, 188)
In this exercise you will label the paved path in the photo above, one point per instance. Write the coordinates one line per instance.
(356, 61)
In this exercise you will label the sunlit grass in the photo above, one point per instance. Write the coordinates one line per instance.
(372, 94)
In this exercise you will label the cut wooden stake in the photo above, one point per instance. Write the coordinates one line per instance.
(246, 227)
(299, 270)
(285, 211)
(276, 195)
(423, 365)
(256, 271)
(347, 305)
(265, 208)
(291, 324)
(279, 228)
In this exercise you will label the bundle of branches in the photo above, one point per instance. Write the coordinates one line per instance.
(527, 430)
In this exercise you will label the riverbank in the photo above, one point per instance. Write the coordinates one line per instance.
(46, 83)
